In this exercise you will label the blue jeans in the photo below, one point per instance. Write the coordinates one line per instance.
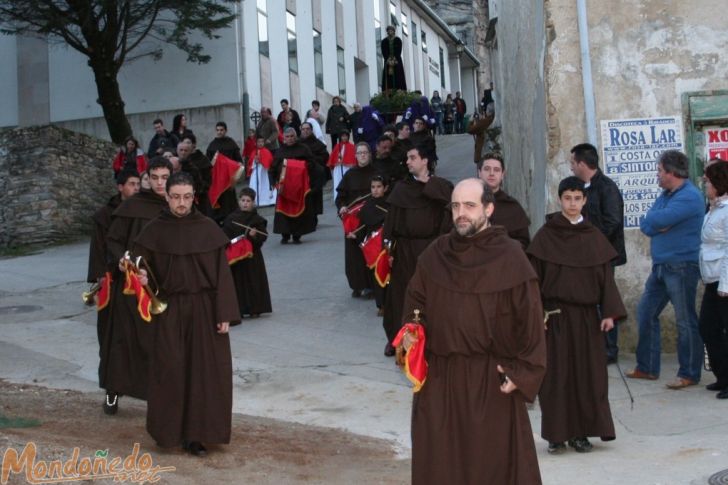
(440, 129)
(676, 283)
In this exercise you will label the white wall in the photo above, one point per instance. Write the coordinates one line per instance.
(370, 50)
(277, 40)
(249, 21)
(328, 45)
(350, 50)
(146, 85)
(306, 68)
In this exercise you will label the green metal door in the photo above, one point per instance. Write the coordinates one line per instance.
(705, 117)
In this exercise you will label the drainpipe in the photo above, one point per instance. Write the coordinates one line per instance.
(586, 73)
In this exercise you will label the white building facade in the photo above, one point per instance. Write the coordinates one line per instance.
(298, 50)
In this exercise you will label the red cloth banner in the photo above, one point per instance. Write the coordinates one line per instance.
(264, 156)
(292, 188)
(239, 248)
(415, 365)
(225, 172)
(382, 269)
(132, 286)
(371, 247)
(350, 218)
(349, 156)
(104, 295)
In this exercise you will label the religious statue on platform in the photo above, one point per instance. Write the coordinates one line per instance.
(393, 72)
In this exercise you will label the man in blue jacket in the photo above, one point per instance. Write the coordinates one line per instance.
(673, 224)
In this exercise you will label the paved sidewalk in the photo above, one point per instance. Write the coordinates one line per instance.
(318, 360)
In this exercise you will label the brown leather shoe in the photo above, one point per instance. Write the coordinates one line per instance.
(680, 383)
(638, 374)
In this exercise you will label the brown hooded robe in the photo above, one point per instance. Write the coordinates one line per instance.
(417, 215)
(480, 307)
(128, 339)
(509, 214)
(249, 275)
(355, 183)
(190, 378)
(575, 274)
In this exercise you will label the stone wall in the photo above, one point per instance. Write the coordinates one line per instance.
(51, 182)
(469, 20)
(521, 102)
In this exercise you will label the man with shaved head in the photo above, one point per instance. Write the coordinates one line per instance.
(478, 298)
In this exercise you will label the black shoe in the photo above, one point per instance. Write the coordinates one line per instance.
(296, 240)
(111, 403)
(195, 448)
(367, 293)
(716, 386)
(284, 240)
(611, 360)
(722, 394)
(556, 448)
(580, 445)
(389, 351)
(355, 293)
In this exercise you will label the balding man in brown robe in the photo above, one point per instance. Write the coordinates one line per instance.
(190, 380)
(482, 317)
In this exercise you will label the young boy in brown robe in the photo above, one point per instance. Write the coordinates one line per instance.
(372, 217)
(251, 279)
(581, 300)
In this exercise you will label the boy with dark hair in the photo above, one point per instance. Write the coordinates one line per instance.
(249, 274)
(580, 300)
(372, 216)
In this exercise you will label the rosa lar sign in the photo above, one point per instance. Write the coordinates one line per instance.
(630, 150)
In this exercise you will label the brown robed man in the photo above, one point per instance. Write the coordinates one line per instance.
(190, 385)
(128, 184)
(128, 339)
(484, 344)
(417, 215)
(355, 186)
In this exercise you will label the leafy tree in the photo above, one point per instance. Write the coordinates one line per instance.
(111, 33)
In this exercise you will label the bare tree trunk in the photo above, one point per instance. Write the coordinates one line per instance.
(110, 99)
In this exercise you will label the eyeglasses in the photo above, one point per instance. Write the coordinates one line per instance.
(186, 197)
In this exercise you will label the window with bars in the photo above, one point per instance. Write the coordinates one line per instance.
(341, 65)
(442, 68)
(318, 59)
(263, 47)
